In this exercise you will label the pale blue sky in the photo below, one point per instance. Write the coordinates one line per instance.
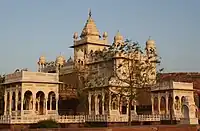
(30, 28)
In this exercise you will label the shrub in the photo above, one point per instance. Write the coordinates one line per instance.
(47, 124)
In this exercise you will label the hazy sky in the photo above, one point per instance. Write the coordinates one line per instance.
(30, 28)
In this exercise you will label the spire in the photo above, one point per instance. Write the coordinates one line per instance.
(118, 37)
(90, 13)
(90, 28)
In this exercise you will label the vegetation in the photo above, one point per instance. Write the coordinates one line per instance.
(47, 124)
(133, 71)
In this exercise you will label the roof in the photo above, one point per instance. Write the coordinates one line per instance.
(191, 77)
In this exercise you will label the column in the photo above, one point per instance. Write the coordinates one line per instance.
(5, 103)
(167, 98)
(10, 102)
(96, 101)
(45, 105)
(103, 100)
(89, 103)
(109, 106)
(158, 103)
(152, 102)
(57, 99)
(50, 103)
(16, 101)
(118, 103)
(34, 103)
(22, 102)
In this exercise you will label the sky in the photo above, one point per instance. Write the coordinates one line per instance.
(29, 29)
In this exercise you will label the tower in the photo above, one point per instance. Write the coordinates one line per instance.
(59, 63)
(152, 56)
(89, 41)
(41, 63)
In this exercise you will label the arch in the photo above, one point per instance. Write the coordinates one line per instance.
(155, 105)
(100, 104)
(106, 102)
(51, 103)
(183, 100)
(40, 102)
(13, 101)
(177, 103)
(8, 101)
(28, 100)
(185, 112)
(19, 103)
(170, 103)
(163, 105)
(92, 103)
(114, 102)
(124, 105)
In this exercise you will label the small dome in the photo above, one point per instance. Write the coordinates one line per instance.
(118, 37)
(42, 60)
(105, 34)
(150, 42)
(75, 36)
(60, 60)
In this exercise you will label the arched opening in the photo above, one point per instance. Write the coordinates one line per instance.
(40, 103)
(155, 106)
(8, 102)
(100, 104)
(13, 101)
(177, 103)
(185, 112)
(51, 104)
(28, 101)
(92, 103)
(106, 102)
(163, 105)
(124, 105)
(114, 102)
(19, 101)
(170, 103)
(183, 100)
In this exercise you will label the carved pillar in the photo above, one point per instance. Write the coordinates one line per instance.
(22, 102)
(5, 103)
(16, 101)
(103, 100)
(10, 102)
(109, 106)
(89, 103)
(152, 102)
(34, 103)
(167, 98)
(118, 103)
(57, 99)
(50, 103)
(96, 102)
(45, 105)
(159, 103)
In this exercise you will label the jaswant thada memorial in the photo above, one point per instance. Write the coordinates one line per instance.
(51, 92)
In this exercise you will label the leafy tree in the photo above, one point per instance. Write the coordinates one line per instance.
(81, 72)
(134, 70)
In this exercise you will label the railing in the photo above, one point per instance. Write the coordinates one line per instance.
(80, 118)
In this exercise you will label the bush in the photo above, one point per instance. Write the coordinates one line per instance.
(47, 124)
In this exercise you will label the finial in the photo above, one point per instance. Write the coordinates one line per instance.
(149, 38)
(60, 53)
(90, 13)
